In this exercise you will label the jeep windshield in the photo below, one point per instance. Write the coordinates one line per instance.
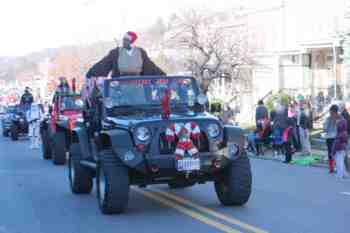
(149, 92)
(69, 103)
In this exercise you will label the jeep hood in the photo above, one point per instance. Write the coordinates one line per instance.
(135, 120)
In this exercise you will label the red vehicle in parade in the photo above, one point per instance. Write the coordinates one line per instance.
(56, 128)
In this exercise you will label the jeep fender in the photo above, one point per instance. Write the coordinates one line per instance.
(123, 146)
(234, 135)
(83, 139)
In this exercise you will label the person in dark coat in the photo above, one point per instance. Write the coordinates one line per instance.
(261, 112)
(27, 97)
(279, 116)
(124, 61)
(63, 87)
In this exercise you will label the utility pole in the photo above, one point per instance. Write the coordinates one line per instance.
(282, 43)
(346, 47)
(335, 68)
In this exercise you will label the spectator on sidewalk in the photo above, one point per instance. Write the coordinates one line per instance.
(259, 137)
(344, 112)
(304, 131)
(287, 137)
(279, 116)
(340, 143)
(330, 130)
(293, 117)
(261, 112)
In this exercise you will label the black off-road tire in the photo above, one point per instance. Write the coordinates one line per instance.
(234, 185)
(5, 133)
(59, 148)
(14, 133)
(113, 176)
(80, 177)
(45, 145)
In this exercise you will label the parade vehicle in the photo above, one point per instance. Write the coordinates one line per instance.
(18, 124)
(9, 114)
(56, 127)
(145, 130)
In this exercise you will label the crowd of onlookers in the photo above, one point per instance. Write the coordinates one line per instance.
(286, 129)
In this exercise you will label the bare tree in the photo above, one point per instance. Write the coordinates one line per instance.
(214, 49)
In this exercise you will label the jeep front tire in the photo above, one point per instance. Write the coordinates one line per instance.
(59, 148)
(80, 178)
(233, 185)
(45, 145)
(112, 182)
(14, 132)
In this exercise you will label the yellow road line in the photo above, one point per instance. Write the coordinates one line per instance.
(187, 211)
(210, 212)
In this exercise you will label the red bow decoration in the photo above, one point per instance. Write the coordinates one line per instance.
(166, 104)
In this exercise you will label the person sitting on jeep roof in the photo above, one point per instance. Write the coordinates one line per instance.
(62, 87)
(125, 60)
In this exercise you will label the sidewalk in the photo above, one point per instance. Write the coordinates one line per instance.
(317, 159)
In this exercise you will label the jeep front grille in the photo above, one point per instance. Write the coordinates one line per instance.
(166, 147)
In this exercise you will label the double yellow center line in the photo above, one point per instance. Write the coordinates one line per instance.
(197, 212)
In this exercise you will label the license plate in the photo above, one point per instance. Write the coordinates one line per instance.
(188, 164)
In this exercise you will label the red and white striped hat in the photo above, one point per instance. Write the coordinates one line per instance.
(132, 36)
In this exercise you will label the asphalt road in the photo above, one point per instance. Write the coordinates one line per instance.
(35, 198)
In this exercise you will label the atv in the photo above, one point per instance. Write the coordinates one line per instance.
(143, 130)
(56, 128)
(6, 120)
(18, 125)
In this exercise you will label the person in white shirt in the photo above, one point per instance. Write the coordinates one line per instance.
(34, 115)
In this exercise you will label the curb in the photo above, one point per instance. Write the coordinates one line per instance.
(319, 165)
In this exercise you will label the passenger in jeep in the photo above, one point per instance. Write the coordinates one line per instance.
(125, 60)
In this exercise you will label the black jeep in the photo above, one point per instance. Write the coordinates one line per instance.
(18, 125)
(154, 130)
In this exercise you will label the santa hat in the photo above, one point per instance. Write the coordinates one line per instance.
(131, 36)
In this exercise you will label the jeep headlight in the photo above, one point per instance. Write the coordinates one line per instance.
(142, 134)
(213, 130)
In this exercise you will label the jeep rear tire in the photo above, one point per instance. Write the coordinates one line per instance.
(45, 145)
(234, 184)
(14, 132)
(80, 178)
(112, 182)
(59, 148)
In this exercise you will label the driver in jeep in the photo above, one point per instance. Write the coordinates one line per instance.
(125, 61)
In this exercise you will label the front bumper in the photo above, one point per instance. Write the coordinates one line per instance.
(165, 164)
